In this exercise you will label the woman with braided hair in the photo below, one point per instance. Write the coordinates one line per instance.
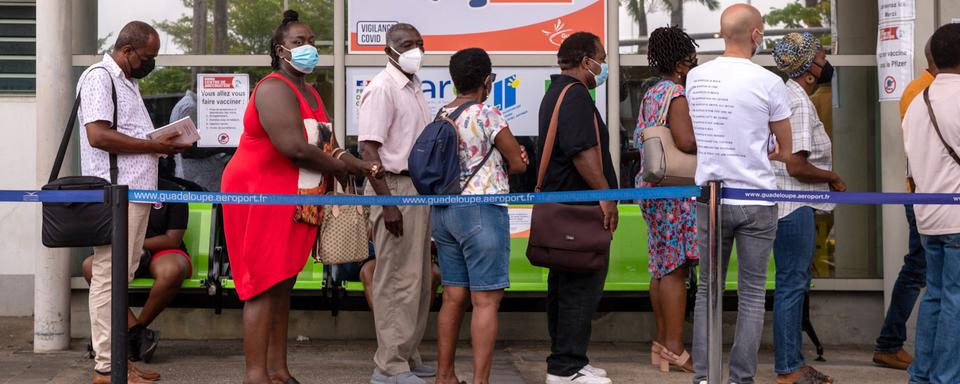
(671, 223)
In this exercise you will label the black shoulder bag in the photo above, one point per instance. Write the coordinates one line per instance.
(78, 224)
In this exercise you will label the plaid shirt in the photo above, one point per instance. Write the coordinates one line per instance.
(808, 136)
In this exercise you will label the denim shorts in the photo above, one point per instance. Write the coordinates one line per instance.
(473, 246)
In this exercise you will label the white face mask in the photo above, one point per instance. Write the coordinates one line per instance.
(409, 61)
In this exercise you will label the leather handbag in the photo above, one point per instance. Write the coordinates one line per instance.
(565, 237)
(663, 163)
(67, 225)
(343, 232)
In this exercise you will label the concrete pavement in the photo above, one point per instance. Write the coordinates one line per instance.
(347, 362)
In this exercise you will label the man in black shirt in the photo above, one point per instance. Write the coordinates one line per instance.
(165, 259)
(572, 298)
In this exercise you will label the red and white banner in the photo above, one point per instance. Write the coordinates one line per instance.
(498, 26)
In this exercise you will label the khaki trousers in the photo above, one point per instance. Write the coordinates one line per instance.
(101, 282)
(401, 290)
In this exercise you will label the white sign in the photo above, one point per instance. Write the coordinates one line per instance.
(897, 10)
(894, 59)
(520, 221)
(499, 26)
(221, 102)
(517, 93)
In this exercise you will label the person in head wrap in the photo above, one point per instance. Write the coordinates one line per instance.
(803, 60)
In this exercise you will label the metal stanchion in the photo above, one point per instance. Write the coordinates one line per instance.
(118, 295)
(715, 287)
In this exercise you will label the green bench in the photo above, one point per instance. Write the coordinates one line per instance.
(627, 273)
(197, 240)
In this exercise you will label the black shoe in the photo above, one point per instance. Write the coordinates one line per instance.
(148, 342)
(133, 343)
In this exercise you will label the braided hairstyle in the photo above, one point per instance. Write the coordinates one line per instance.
(668, 47)
(289, 17)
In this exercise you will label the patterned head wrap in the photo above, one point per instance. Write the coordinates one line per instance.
(794, 53)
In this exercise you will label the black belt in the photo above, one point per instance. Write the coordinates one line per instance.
(401, 173)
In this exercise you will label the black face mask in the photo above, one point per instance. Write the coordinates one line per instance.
(826, 74)
(146, 66)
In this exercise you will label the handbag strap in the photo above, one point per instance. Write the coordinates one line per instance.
(664, 112)
(552, 138)
(65, 142)
(936, 127)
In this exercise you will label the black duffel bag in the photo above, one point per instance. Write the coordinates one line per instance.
(79, 224)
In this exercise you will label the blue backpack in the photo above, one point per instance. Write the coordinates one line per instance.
(434, 162)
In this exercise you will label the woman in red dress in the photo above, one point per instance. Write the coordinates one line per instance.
(278, 153)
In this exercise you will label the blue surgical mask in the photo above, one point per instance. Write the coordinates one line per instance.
(303, 58)
(759, 48)
(604, 72)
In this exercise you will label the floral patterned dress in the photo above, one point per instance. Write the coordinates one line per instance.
(671, 223)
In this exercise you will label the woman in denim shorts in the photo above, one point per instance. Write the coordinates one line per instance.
(473, 241)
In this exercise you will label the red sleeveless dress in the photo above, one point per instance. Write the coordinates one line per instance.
(264, 244)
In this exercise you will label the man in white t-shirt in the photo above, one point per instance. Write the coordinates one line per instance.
(735, 106)
(931, 144)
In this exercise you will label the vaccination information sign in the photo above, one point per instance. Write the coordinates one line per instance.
(221, 102)
(498, 26)
(517, 93)
(894, 59)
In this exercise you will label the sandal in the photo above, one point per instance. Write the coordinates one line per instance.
(668, 358)
(655, 349)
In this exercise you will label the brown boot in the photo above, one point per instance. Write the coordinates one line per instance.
(132, 378)
(904, 356)
(892, 360)
(143, 373)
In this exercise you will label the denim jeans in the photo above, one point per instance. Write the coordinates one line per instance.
(572, 299)
(754, 228)
(938, 323)
(905, 292)
(793, 254)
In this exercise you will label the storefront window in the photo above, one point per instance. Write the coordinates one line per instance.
(230, 27)
(701, 19)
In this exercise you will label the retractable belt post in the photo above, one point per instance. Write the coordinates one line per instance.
(714, 192)
(119, 204)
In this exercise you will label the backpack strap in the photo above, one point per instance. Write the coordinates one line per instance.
(933, 119)
(452, 119)
(65, 141)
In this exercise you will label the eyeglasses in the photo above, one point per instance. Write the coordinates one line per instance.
(493, 77)
(692, 62)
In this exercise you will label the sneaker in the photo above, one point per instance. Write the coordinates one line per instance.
(424, 371)
(595, 371)
(147, 344)
(581, 377)
(403, 378)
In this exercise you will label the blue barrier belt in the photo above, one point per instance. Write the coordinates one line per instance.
(95, 196)
(87, 196)
(512, 198)
(841, 197)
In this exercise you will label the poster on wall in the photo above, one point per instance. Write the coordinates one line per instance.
(517, 93)
(498, 26)
(894, 59)
(221, 101)
(896, 10)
